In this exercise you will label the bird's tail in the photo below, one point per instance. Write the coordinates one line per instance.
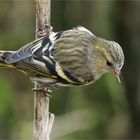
(3, 56)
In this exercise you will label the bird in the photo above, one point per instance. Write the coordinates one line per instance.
(72, 57)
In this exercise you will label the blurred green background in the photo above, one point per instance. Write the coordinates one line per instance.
(103, 110)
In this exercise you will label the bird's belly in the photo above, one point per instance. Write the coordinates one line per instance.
(51, 82)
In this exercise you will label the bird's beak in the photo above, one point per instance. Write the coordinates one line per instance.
(117, 74)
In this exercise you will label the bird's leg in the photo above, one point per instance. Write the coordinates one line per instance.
(43, 89)
(44, 31)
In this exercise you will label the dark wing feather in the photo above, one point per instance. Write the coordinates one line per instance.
(32, 69)
(22, 53)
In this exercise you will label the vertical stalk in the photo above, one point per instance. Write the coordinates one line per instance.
(43, 121)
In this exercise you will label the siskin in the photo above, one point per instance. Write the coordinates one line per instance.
(71, 57)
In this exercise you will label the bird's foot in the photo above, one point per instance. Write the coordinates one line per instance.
(44, 31)
(44, 90)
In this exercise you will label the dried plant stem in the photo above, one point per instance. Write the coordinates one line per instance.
(43, 120)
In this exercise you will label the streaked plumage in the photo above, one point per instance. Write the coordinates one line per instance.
(71, 57)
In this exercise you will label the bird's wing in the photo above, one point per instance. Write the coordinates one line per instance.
(35, 56)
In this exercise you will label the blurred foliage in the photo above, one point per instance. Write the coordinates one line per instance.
(103, 110)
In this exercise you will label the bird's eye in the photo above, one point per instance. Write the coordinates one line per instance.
(109, 63)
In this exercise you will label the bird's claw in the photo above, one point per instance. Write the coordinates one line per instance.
(43, 90)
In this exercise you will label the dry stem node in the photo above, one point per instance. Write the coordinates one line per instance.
(44, 31)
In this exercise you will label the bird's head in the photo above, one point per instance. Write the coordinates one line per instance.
(107, 57)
